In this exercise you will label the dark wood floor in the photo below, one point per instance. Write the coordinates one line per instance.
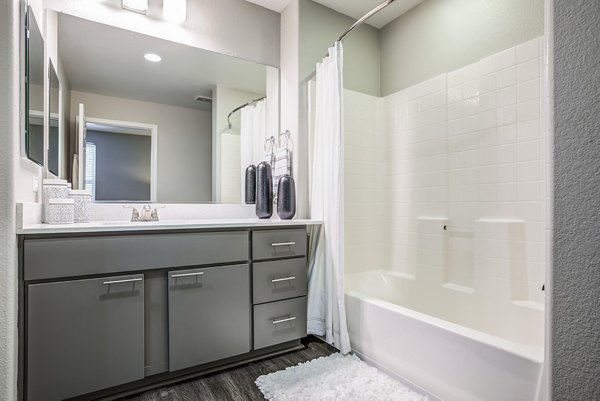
(234, 384)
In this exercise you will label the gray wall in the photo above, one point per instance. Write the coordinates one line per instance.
(576, 271)
(320, 27)
(184, 142)
(439, 36)
(122, 166)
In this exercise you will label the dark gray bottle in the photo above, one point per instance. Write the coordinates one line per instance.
(286, 198)
(264, 191)
(250, 193)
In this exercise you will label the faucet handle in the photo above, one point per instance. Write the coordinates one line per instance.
(135, 215)
(154, 214)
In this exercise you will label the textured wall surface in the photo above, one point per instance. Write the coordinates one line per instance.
(576, 275)
(9, 126)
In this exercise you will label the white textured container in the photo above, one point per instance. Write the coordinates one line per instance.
(53, 189)
(60, 211)
(82, 204)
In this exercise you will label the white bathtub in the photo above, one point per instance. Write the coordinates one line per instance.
(445, 341)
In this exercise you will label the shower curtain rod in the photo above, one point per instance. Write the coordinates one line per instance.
(241, 107)
(364, 18)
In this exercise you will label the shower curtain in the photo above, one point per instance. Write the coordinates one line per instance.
(326, 309)
(253, 131)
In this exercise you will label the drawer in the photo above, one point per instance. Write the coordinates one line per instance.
(279, 279)
(272, 244)
(278, 322)
(65, 257)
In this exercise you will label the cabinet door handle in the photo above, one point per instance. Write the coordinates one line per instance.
(277, 280)
(129, 280)
(289, 319)
(283, 243)
(187, 274)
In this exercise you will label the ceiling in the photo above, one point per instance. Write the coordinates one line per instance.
(353, 8)
(275, 5)
(111, 62)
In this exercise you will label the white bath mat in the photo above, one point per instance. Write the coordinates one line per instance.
(334, 378)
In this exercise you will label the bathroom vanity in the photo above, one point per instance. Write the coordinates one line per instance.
(115, 310)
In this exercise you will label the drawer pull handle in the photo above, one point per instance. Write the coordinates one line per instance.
(278, 280)
(283, 243)
(187, 274)
(289, 319)
(129, 280)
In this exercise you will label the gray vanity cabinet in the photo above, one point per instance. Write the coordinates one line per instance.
(209, 315)
(107, 313)
(84, 335)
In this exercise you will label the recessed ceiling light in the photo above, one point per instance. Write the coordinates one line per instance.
(138, 6)
(155, 58)
(175, 10)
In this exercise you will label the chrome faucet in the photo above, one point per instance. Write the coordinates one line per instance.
(148, 214)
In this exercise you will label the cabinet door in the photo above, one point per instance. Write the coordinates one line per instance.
(209, 315)
(84, 336)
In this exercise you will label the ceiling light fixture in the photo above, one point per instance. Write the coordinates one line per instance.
(175, 10)
(155, 58)
(138, 6)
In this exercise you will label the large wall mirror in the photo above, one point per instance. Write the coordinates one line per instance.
(34, 89)
(149, 117)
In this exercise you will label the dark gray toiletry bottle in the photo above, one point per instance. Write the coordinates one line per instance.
(250, 193)
(286, 198)
(264, 191)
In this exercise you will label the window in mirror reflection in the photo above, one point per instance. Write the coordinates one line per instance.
(118, 163)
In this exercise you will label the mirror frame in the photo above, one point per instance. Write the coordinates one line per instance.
(49, 117)
(26, 18)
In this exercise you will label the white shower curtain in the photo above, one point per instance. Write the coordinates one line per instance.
(326, 309)
(253, 133)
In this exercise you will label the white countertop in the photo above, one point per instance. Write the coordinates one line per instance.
(124, 226)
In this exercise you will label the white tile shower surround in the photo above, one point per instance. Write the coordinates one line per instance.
(464, 149)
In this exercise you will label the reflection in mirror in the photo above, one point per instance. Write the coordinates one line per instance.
(34, 89)
(54, 113)
(146, 130)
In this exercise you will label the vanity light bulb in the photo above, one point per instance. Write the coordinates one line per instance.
(175, 10)
(138, 6)
(155, 58)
